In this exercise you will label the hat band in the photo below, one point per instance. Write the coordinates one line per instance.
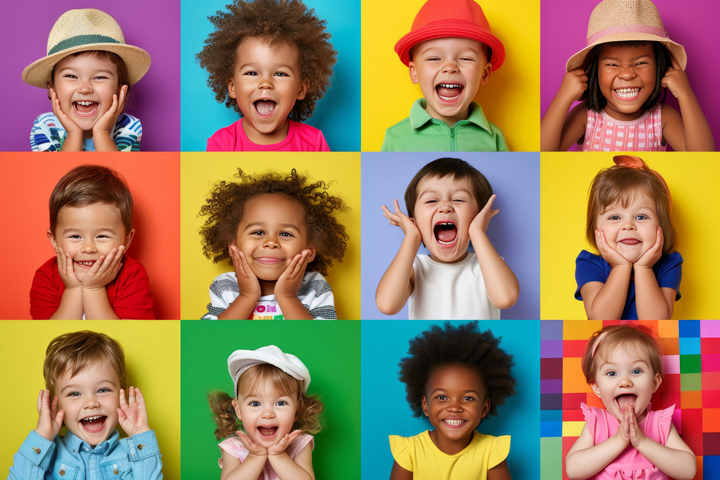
(79, 41)
(626, 29)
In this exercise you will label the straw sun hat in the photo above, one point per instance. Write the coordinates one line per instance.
(80, 31)
(626, 20)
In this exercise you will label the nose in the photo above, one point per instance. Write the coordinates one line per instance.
(446, 206)
(629, 225)
(268, 412)
(266, 83)
(91, 402)
(88, 246)
(85, 87)
(450, 66)
(625, 381)
(627, 73)
(454, 406)
(271, 242)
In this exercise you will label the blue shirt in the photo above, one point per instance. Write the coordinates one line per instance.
(69, 458)
(48, 134)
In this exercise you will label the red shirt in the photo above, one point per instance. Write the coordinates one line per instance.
(129, 293)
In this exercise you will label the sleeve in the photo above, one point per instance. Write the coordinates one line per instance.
(590, 418)
(35, 457)
(666, 417)
(501, 145)
(223, 291)
(400, 448)
(127, 133)
(669, 273)
(589, 268)
(45, 296)
(47, 134)
(220, 141)
(317, 297)
(499, 451)
(234, 447)
(132, 299)
(299, 444)
(321, 144)
(144, 455)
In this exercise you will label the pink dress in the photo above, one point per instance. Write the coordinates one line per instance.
(234, 447)
(630, 464)
(605, 134)
(300, 138)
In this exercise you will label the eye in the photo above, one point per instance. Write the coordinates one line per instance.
(614, 217)
(251, 73)
(73, 394)
(69, 75)
(104, 390)
(467, 59)
(281, 74)
(469, 398)
(459, 200)
(282, 402)
(431, 201)
(441, 397)
(254, 404)
(286, 234)
(637, 371)
(611, 373)
(257, 232)
(75, 237)
(641, 217)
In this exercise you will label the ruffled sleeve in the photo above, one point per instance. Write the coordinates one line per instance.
(234, 447)
(664, 423)
(590, 418)
(499, 451)
(400, 448)
(299, 444)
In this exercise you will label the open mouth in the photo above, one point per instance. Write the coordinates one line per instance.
(454, 422)
(93, 424)
(267, 431)
(85, 107)
(265, 108)
(627, 93)
(445, 233)
(624, 400)
(86, 263)
(449, 91)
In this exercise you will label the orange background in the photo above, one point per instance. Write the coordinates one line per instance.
(26, 182)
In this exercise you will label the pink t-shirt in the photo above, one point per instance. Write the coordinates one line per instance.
(605, 134)
(235, 447)
(300, 138)
(630, 464)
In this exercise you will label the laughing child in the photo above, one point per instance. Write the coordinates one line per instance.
(88, 72)
(449, 204)
(86, 378)
(90, 275)
(271, 61)
(450, 52)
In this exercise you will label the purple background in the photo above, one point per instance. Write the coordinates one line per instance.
(514, 232)
(153, 25)
(691, 23)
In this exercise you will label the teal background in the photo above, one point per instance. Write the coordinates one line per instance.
(331, 352)
(337, 114)
(385, 411)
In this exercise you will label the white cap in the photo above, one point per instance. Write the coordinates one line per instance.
(241, 360)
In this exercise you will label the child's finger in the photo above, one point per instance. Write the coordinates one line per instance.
(123, 401)
(139, 396)
(674, 62)
(121, 415)
(54, 407)
(489, 204)
(131, 396)
(41, 395)
(59, 417)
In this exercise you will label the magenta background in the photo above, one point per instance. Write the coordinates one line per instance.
(691, 23)
(153, 25)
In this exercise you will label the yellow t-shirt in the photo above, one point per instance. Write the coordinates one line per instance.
(419, 455)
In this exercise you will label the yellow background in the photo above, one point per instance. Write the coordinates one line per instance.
(511, 100)
(199, 171)
(565, 179)
(152, 355)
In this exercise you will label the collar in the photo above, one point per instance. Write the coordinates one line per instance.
(419, 116)
(75, 444)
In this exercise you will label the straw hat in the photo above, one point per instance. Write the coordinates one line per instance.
(82, 30)
(626, 20)
(451, 18)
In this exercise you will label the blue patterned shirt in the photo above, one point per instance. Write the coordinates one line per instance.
(48, 134)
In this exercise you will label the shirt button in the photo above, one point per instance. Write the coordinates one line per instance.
(116, 471)
(140, 447)
(62, 473)
(37, 450)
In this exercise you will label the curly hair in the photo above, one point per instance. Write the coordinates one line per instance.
(461, 345)
(288, 21)
(224, 209)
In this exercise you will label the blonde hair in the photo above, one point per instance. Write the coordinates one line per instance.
(73, 352)
(638, 337)
(618, 185)
(253, 381)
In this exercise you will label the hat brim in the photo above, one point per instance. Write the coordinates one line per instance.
(246, 358)
(452, 29)
(136, 60)
(677, 50)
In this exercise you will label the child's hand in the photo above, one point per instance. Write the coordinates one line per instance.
(66, 269)
(612, 256)
(282, 445)
(482, 220)
(69, 126)
(104, 270)
(630, 428)
(247, 281)
(289, 282)
(573, 86)
(253, 448)
(133, 415)
(50, 419)
(106, 123)
(399, 219)
(676, 80)
(650, 258)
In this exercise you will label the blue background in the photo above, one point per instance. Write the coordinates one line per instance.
(385, 412)
(514, 232)
(337, 114)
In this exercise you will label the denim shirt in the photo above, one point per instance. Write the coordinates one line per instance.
(69, 458)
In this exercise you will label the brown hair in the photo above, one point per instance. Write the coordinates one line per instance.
(251, 382)
(71, 353)
(88, 184)
(460, 170)
(122, 71)
(618, 185)
(638, 337)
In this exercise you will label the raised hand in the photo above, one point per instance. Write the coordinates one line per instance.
(399, 219)
(612, 256)
(284, 442)
(50, 418)
(132, 414)
(650, 258)
(66, 269)
(631, 429)
(69, 126)
(290, 280)
(107, 122)
(253, 448)
(482, 220)
(104, 270)
(676, 80)
(248, 283)
(573, 86)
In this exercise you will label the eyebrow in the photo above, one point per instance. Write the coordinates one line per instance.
(611, 363)
(73, 386)
(262, 225)
(464, 392)
(100, 230)
(435, 191)
(633, 59)
(275, 67)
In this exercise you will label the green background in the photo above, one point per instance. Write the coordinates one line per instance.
(331, 352)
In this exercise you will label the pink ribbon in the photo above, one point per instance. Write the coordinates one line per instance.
(626, 29)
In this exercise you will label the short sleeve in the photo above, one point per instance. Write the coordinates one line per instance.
(317, 297)
(223, 291)
(127, 133)
(501, 145)
(47, 134)
(669, 273)
(234, 447)
(45, 296)
(133, 299)
(400, 448)
(499, 451)
(321, 144)
(589, 268)
(665, 423)
(590, 418)
(299, 444)
(221, 141)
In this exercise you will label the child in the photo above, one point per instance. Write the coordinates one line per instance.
(90, 276)
(88, 72)
(273, 227)
(620, 75)
(271, 61)
(274, 409)
(455, 377)
(444, 203)
(450, 52)
(85, 375)
(629, 222)
(623, 365)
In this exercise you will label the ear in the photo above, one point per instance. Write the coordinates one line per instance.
(656, 382)
(595, 388)
(129, 239)
(237, 408)
(413, 73)
(303, 89)
(313, 251)
(51, 236)
(231, 88)
(486, 407)
(485, 77)
(49, 86)
(425, 409)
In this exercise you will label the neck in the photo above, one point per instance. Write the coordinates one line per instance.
(267, 287)
(450, 447)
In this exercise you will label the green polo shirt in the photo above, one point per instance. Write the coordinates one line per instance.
(422, 133)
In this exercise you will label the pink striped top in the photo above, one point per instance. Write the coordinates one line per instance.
(605, 134)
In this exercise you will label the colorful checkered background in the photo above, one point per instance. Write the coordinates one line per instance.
(691, 364)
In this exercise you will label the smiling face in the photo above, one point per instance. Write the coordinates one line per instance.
(624, 377)
(626, 74)
(455, 402)
(89, 232)
(449, 71)
(90, 400)
(267, 415)
(266, 82)
(631, 230)
(85, 85)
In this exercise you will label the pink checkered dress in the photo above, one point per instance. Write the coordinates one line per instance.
(605, 134)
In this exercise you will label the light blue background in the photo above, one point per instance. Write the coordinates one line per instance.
(386, 412)
(514, 232)
(337, 114)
